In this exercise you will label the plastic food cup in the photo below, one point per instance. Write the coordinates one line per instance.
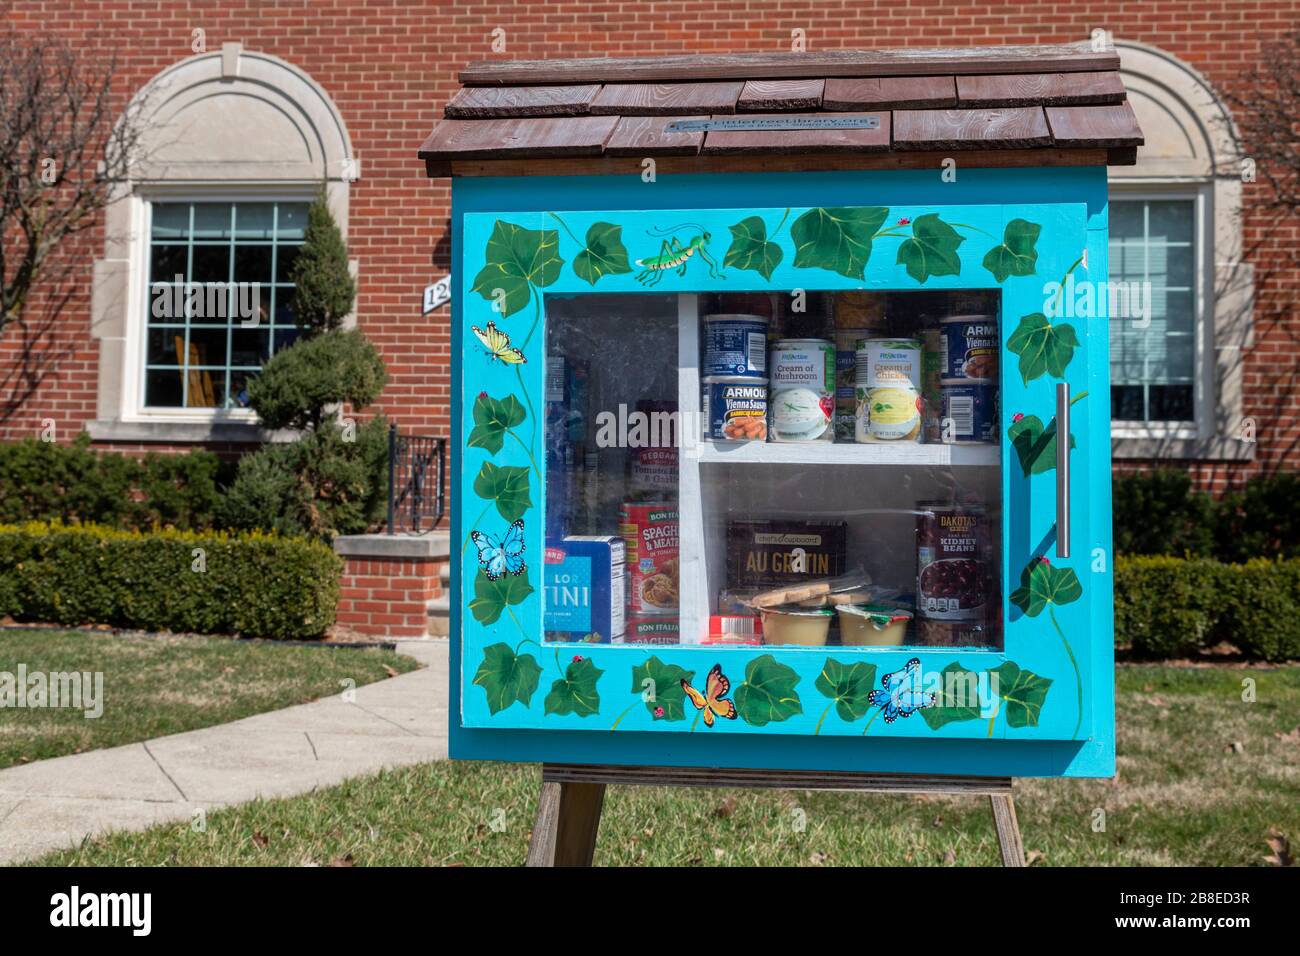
(808, 627)
(870, 625)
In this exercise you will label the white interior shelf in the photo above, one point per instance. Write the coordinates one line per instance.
(829, 453)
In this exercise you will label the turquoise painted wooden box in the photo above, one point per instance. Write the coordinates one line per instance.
(578, 314)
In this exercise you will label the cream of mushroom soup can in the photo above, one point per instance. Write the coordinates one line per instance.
(801, 394)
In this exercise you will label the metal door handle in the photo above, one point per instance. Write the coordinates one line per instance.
(1063, 470)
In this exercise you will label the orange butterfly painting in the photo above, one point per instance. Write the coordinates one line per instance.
(713, 701)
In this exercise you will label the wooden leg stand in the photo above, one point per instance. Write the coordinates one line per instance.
(568, 811)
(1004, 818)
(568, 816)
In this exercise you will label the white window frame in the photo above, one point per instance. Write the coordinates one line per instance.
(133, 409)
(1201, 194)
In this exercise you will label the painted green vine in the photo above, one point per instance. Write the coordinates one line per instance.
(1045, 587)
(519, 262)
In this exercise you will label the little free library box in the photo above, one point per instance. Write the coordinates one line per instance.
(780, 410)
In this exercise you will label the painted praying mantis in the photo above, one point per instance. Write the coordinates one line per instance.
(674, 255)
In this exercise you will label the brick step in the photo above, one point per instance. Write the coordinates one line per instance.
(440, 607)
(440, 615)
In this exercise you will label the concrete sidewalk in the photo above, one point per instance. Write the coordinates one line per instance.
(53, 804)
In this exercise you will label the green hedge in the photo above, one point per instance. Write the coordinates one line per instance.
(48, 481)
(254, 585)
(1160, 513)
(1170, 607)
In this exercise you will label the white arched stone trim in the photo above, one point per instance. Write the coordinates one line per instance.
(1191, 151)
(228, 125)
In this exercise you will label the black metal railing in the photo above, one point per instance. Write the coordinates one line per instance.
(417, 471)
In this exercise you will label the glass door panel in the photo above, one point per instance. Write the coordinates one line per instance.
(787, 469)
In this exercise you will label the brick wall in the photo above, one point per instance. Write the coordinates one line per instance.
(388, 596)
(389, 64)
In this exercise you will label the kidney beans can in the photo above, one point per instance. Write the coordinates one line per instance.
(968, 348)
(952, 574)
(970, 412)
(802, 394)
(734, 408)
(735, 345)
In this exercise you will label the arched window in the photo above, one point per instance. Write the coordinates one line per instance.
(1175, 222)
(193, 293)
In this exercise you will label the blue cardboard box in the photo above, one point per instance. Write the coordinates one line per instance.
(583, 589)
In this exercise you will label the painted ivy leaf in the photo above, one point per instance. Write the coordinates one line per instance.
(959, 699)
(1042, 346)
(837, 238)
(507, 677)
(1023, 692)
(603, 255)
(750, 248)
(576, 692)
(507, 485)
(660, 687)
(1017, 255)
(1035, 445)
(492, 416)
(492, 597)
(767, 693)
(517, 259)
(1041, 585)
(932, 250)
(849, 685)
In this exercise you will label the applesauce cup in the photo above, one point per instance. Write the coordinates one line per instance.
(807, 627)
(871, 625)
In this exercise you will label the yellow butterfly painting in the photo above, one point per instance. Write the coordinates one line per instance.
(713, 701)
(498, 344)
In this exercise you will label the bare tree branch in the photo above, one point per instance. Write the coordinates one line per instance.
(61, 151)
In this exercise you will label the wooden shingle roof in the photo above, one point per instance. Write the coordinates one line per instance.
(1002, 106)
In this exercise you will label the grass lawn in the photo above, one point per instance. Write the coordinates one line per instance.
(1204, 779)
(156, 685)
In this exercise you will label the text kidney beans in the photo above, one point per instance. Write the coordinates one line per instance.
(952, 562)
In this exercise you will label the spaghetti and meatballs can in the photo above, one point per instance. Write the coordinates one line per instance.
(952, 565)
(652, 629)
(651, 535)
(968, 347)
(734, 408)
(735, 345)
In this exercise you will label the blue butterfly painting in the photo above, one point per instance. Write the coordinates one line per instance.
(902, 695)
(504, 555)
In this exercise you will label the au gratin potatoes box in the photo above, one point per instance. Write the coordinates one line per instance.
(763, 553)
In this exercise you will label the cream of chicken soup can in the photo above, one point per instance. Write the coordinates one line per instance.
(801, 396)
(888, 391)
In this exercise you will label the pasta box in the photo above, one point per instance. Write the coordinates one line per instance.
(583, 577)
